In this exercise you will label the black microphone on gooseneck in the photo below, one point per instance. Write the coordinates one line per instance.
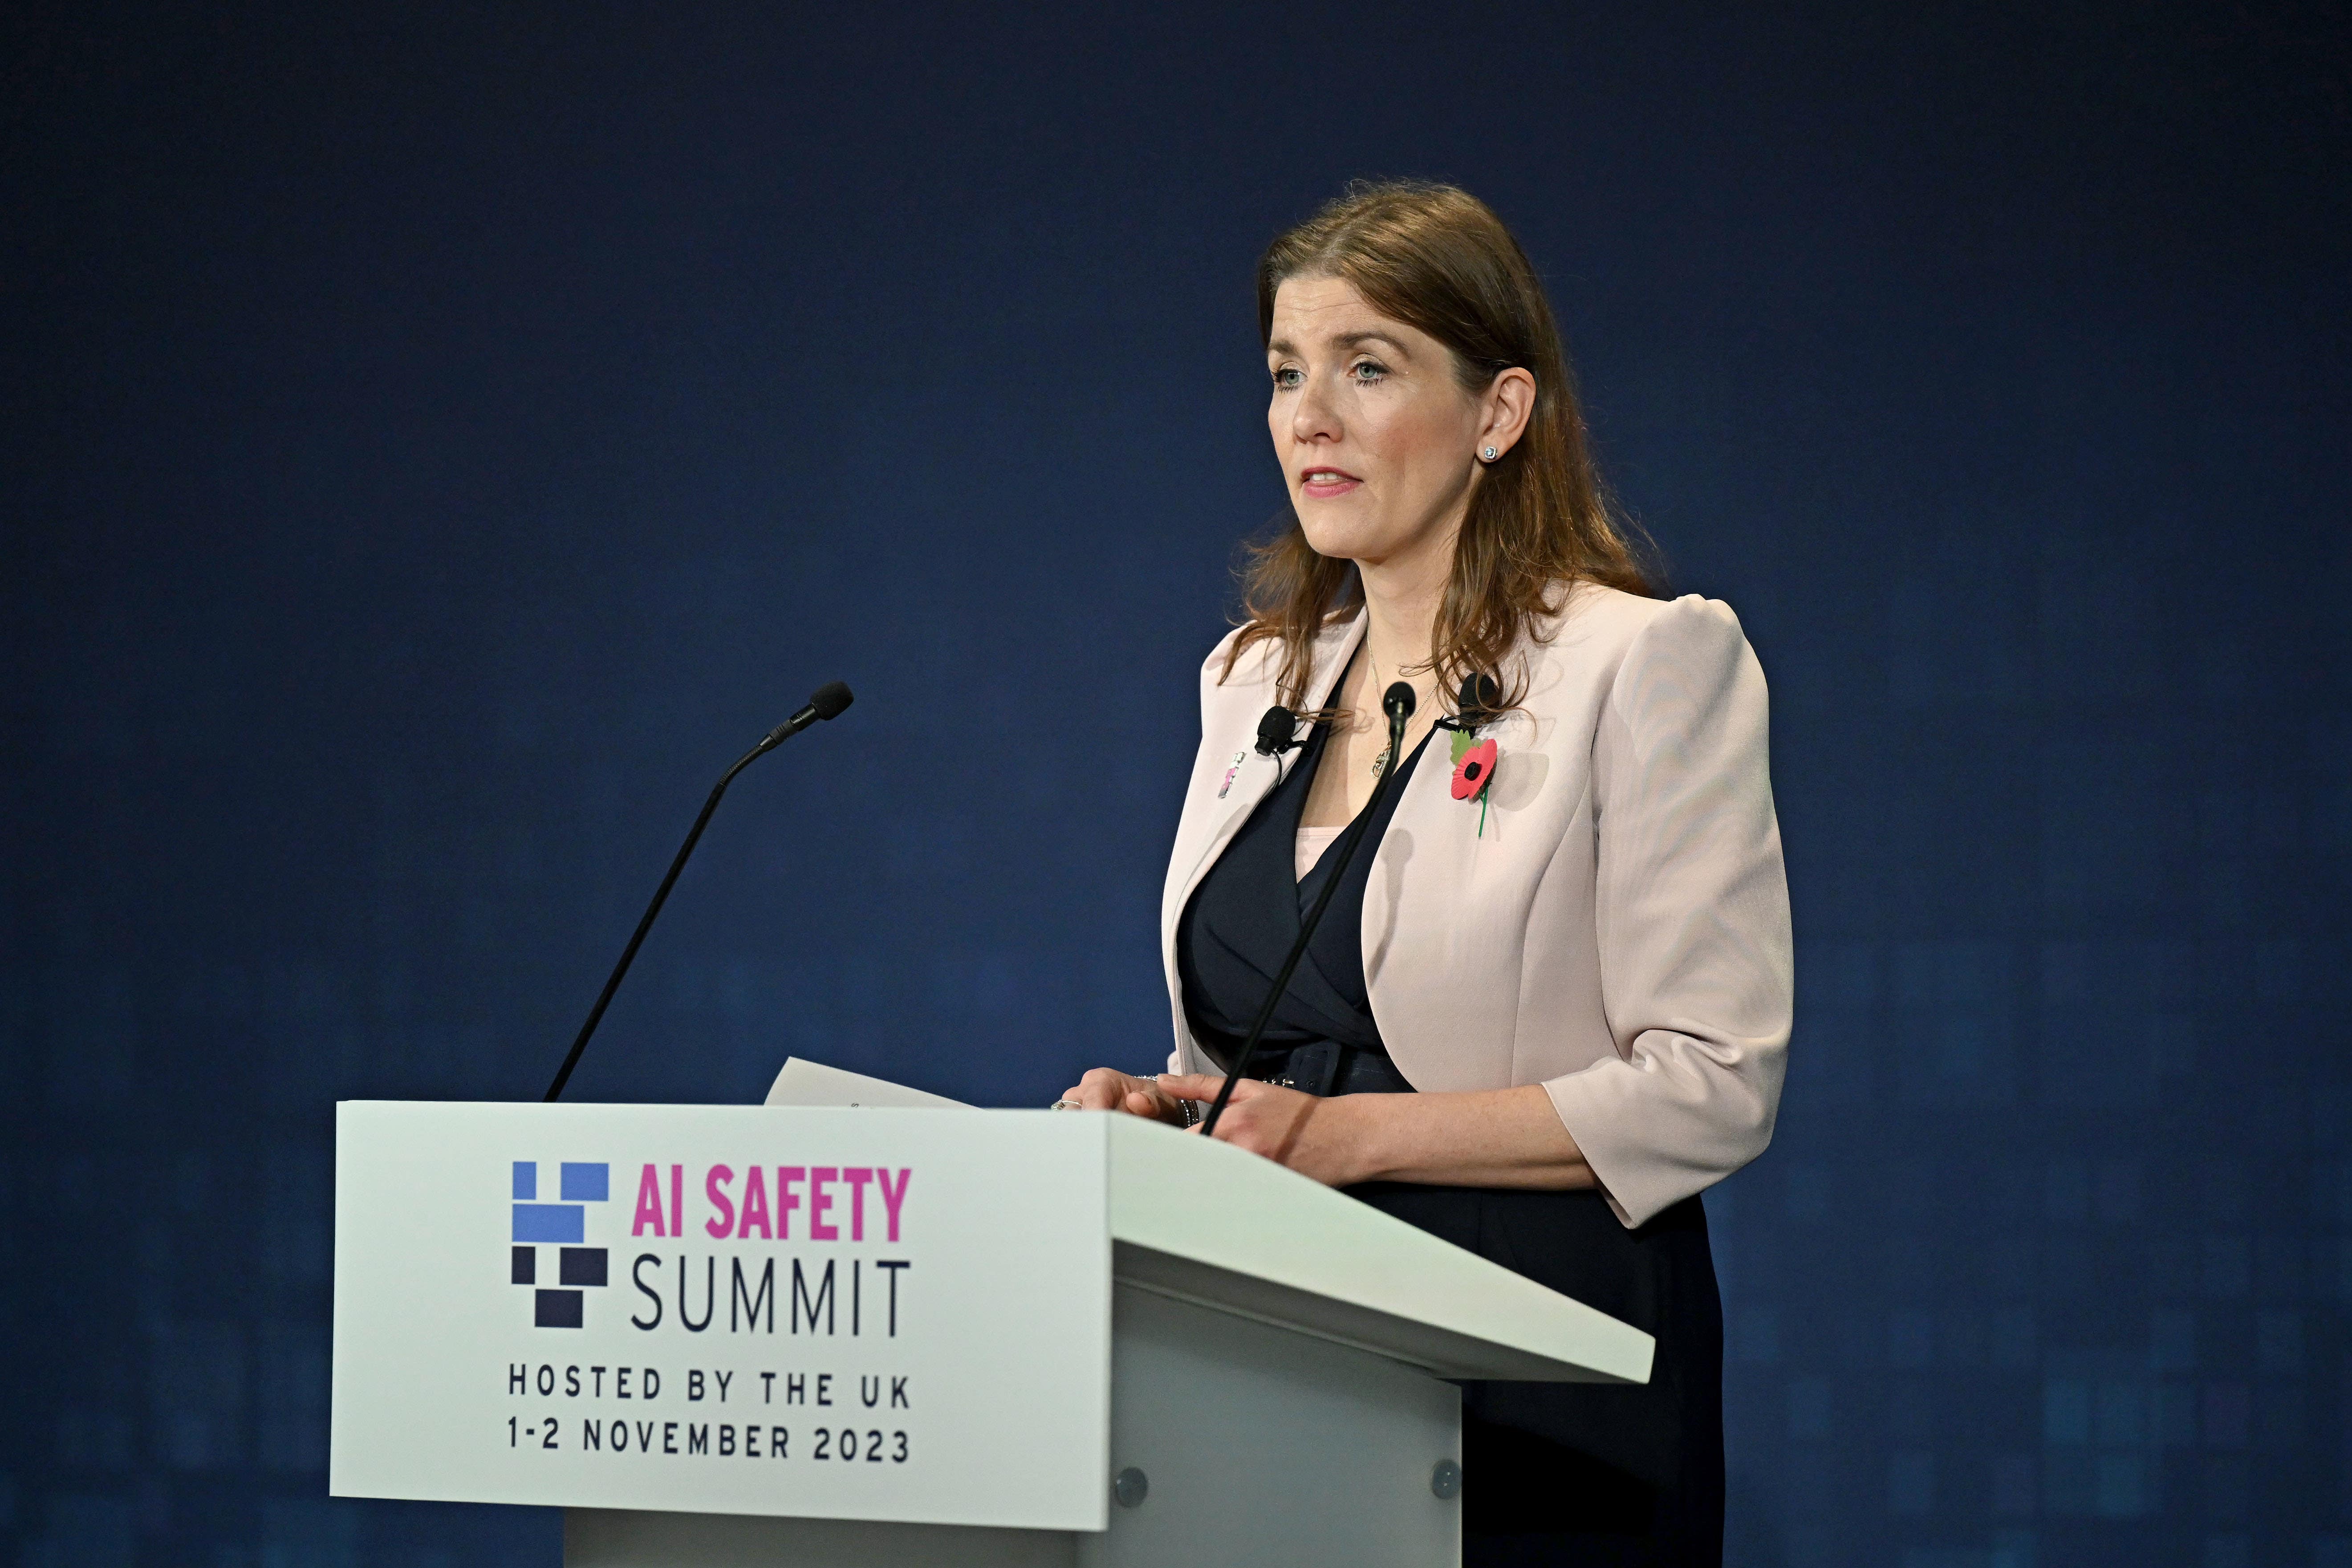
(826, 703)
(1397, 702)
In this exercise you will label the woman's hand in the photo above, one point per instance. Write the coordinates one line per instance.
(1103, 1089)
(1479, 1138)
(1474, 1137)
(1318, 1138)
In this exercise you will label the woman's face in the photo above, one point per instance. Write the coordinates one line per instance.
(1376, 439)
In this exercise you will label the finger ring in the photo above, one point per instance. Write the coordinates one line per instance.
(1066, 1105)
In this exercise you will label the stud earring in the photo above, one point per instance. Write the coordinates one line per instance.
(1490, 454)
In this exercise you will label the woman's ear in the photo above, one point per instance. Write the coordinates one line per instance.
(1508, 404)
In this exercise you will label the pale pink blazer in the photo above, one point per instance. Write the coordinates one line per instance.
(1618, 933)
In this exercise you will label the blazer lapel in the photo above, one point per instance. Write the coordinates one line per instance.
(1230, 730)
(1415, 945)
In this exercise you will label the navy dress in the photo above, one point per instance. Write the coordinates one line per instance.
(1569, 1474)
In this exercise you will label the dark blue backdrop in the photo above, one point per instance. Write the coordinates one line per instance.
(437, 443)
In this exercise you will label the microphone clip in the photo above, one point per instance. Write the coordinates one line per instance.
(1479, 705)
(1277, 733)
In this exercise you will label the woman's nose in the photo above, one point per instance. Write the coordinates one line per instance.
(1313, 415)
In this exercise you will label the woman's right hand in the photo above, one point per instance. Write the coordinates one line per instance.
(1104, 1090)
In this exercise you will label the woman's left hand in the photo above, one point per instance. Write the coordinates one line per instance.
(1476, 1137)
(1310, 1135)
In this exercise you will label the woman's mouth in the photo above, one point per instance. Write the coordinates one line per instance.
(1324, 484)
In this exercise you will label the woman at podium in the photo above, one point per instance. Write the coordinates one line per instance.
(1548, 1002)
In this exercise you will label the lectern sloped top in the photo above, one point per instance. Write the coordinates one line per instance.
(1209, 1222)
(850, 1314)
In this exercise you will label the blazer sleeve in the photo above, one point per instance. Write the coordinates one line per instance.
(1692, 907)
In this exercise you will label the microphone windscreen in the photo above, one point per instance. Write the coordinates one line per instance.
(1480, 696)
(1274, 731)
(1398, 702)
(830, 699)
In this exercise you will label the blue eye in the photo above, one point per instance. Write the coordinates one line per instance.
(1287, 377)
(1368, 370)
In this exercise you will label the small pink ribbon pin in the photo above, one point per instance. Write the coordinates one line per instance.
(1230, 773)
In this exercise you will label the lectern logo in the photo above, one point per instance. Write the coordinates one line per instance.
(563, 1225)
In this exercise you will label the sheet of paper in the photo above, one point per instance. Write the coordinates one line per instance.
(804, 1083)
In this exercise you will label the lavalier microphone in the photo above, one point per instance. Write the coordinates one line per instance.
(1275, 731)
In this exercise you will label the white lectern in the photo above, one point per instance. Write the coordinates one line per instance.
(730, 1336)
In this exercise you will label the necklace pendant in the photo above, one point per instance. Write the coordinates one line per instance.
(1379, 762)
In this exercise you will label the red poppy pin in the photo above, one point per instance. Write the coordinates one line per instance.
(1473, 773)
(1473, 769)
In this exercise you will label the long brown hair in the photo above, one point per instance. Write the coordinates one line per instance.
(1437, 258)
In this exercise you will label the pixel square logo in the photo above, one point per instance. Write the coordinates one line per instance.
(564, 1226)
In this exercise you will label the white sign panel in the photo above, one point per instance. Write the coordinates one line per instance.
(877, 1314)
